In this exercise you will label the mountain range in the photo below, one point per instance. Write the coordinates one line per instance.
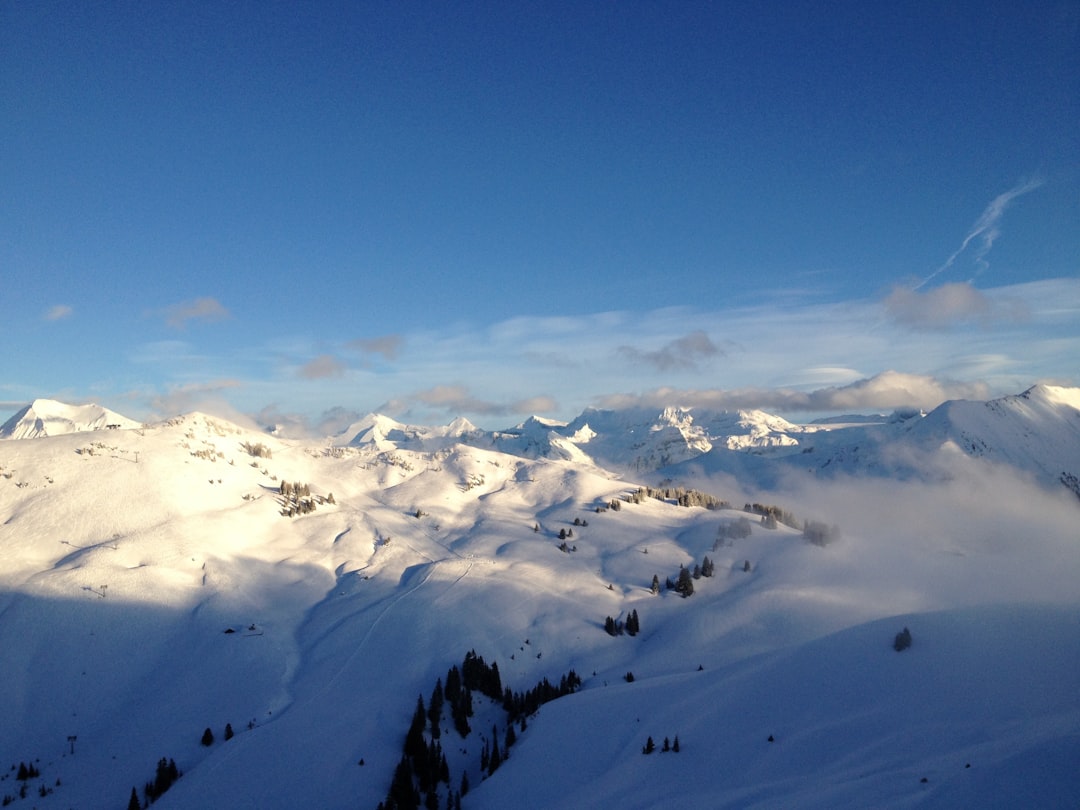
(301, 601)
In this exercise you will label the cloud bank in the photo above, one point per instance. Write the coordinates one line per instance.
(887, 391)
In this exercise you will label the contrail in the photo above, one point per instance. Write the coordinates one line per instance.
(985, 227)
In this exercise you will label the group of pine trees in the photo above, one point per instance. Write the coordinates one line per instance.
(258, 450)
(616, 627)
(164, 777)
(650, 746)
(423, 764)
(732, 530)
(296, 499)
(771, 515)
(684, 584)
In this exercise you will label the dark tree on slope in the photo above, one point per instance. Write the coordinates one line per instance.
(655, 584)
(902, 640)
(208, 737)
(228, 731)
(403, 795)
(133, 802)
(495, 760)
(435, 708)
(415, 747)
(685, 583)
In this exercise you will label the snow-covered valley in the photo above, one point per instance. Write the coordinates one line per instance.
(159, 580)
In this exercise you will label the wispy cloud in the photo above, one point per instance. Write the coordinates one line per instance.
(682, 353)
(58, 312)
(209, 396)
(454, 400)
(886, 391)
(985, 231)
(321, 368)
(201, 309)
(387, 345)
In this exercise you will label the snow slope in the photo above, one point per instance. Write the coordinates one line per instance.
(150, 587)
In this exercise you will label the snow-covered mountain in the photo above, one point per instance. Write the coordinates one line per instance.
(47, 417)
(191, 574)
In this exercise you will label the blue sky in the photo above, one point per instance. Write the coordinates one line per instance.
(495, 209)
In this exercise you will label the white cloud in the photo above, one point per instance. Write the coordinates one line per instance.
(58, 312)
(201, 309)
(947, 306)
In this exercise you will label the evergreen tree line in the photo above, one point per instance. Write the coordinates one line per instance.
(423, 764)
(681, 495)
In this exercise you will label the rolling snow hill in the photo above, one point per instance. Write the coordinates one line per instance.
(159, 580)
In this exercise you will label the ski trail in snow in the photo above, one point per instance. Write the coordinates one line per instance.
(384, 607)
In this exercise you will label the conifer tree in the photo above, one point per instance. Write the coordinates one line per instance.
(435, 708)
(133, 802)
(208, 737)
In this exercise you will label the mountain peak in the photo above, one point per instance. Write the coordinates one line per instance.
(1054, 395)
(49, 417)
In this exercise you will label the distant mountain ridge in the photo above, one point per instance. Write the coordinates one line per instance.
(1037, 431)
(47, 417)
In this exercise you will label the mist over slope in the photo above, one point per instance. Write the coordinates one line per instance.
(159, 580)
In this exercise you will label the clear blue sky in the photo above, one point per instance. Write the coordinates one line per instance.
(494, 209)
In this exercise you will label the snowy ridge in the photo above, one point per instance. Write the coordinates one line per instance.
(47, 417)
